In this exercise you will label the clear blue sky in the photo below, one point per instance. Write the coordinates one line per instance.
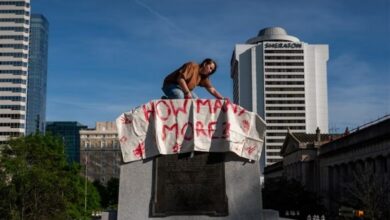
(107, 57)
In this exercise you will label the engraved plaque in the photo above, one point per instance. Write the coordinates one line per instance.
(189, 186)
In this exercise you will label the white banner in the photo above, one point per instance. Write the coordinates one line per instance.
(171, 126)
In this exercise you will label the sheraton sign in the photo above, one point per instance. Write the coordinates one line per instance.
(283, 45)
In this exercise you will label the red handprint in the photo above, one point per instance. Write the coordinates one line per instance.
(139, 151)
(125, 120)
(176, 148)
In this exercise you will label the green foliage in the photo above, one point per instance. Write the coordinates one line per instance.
(37, 183)
(286, 195)
(108, 193)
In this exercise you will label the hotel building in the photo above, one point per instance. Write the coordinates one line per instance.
(284, 80)
(14, 50)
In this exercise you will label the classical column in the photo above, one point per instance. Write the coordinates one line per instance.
(330, 188)
(337, 180)
(343, 178)
(370, 165)
(351, 170)
(380, 163)
(388, 163)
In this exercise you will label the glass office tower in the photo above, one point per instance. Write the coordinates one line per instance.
(37, 74)
(69, 132)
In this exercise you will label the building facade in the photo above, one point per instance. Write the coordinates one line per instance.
(335, 165)
(284, 80)
(299, 152)
(37, 74)
(14, 50)
(68, 131)
(360, 159)
(100, 152)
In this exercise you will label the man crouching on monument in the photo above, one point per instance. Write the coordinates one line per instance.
(180, 83)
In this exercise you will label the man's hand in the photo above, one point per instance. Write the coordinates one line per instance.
(214, 92)
(188, 95)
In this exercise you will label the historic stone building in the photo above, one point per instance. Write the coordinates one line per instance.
(299, 153)
(329, 164)
(355, 156)
(100, 152)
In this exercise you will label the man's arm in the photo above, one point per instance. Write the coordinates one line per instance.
(214, 92)
(185, 72)
(183, 85)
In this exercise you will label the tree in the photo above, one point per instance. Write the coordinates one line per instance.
(113, 191)
(37, 183)
(289, 195)
(370, 192)
(77, 196)
(102, 192)
(108, 193)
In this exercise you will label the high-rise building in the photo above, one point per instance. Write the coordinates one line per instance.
(14, 47)
(37, 74)
(69, 132)
(284, 80)
(100, 152)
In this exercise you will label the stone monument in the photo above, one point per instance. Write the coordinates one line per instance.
(217, 183)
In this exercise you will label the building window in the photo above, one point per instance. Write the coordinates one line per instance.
(15, 3)
(283, 51)
(11, 134)
(273, 147)
(281, 70)
(16, 29)
(14, 37)
(273, 160)
(285, 95)
(12, 116)
(273, 154)
(14, 72)
(285, 102)
(13, 63)
(14, 55)
(13, 98)
(284, 89)
(11, 89)
(12, 125)
(283, 57)
(284, 82)
(275, 140)
(285, 128)
(284, 76)
(285, 114)
(283, 64)
(18, 12)
(13, 107)
(285, 108)
(14, 46)
(18, 81)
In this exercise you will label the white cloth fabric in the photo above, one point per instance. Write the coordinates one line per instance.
(171, 126)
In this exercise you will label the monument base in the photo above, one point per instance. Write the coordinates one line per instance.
(140, 189)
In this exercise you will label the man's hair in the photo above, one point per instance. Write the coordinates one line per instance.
(209, 61)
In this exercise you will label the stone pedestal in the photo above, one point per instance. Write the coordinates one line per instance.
(141, 192)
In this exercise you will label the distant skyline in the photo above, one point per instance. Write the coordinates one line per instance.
(105, 59)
